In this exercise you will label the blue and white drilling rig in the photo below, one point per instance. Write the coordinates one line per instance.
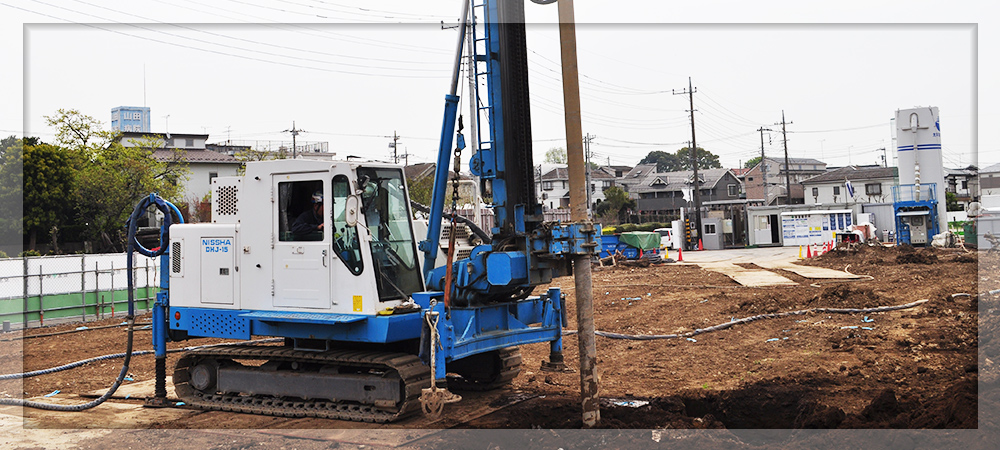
(369, 333)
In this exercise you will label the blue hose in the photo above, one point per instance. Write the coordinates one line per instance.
(132, 245)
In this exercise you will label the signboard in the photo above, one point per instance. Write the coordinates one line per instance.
(130, 118)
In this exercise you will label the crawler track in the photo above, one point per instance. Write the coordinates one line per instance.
(411, 373)
(487, 371)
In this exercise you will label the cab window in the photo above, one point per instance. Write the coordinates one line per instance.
(346, 244)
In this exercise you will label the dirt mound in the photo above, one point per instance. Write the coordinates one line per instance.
(966, 259)
(917, 258)
(956, 407)
(879, 255)
(848, 296)
(775, 404)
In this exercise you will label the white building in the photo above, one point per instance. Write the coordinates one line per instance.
(871, 184)
(203, 164)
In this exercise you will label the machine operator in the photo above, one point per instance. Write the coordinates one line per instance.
(309, 225)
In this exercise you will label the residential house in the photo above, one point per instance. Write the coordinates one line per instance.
(871, 184)
(421, 176)
(635, 176)
(989, 180)
(616, 171)
(772, 189)
(203, 164)
(964, 183)
(668, 192)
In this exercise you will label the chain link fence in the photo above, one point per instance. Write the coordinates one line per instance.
(44, 290)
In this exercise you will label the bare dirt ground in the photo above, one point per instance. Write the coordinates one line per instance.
(928, 367)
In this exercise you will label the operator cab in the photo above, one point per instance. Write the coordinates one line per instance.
(318, 236)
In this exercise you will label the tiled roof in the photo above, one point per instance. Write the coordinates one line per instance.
(676, 181)
(991, 169)
(195, 156)
(854, 173)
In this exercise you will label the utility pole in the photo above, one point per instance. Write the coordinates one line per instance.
(295, 132)
(586, 339)
(586, 149)
(885, 163)
(694, 157)
(393, 145)
(788, 167)
(763, 163)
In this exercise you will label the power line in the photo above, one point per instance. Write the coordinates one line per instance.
(205, 50)
(225, 45)
(841, 129)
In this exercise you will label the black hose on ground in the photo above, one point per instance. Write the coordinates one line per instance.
(131, 245)
(723, 326)
(35, 373)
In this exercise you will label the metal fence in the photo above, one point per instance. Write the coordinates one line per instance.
(35, 291)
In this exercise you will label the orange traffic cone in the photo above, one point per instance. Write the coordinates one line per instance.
(680, 254)
(699, 245)
(809, 251)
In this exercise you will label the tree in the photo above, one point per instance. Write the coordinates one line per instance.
(665, 162)
(78, 131)
(751, 163)
(555, 155)
(706, 160)
(11, 189)
(112, 177)
(951, 202)
(616, 203)
(113, 182)
(420, 189)
(49, 180)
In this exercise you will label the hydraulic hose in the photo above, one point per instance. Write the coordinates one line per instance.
(133, 245)
(474, 227)
(73, 365)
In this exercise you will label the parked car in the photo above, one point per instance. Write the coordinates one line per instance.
(666, 237)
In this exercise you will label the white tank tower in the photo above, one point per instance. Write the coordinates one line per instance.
(918, 146)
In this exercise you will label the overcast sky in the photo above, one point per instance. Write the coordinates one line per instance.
(353, 72)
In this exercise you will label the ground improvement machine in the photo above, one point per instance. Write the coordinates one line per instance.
(375, 324)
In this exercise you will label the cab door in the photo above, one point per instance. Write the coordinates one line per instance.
(301, 261)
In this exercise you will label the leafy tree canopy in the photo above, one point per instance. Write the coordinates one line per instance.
(752, 162)
(706, 159)
(616, 204)
(555, 155)
(97, 175)
(681, 160)
(49, 179)
(11, 184)
(665, 162)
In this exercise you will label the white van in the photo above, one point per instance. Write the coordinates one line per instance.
(666, 237)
